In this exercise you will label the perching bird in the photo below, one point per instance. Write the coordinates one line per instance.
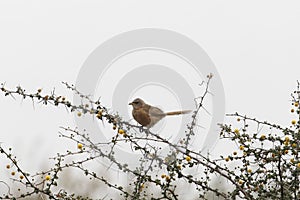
(147, 115)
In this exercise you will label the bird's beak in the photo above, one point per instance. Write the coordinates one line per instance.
(130, 103)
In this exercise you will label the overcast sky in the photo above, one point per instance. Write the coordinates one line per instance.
(254, 45)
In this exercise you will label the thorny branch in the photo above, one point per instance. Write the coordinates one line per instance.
(268, 161)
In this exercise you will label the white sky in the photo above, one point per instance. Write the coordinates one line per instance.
(255, 46)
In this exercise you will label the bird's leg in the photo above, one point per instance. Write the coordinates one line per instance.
(144, 129)
(147, 131)
(141, 129)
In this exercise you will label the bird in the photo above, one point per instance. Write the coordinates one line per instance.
(147, 115)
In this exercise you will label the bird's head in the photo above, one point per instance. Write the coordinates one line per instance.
(137, 103)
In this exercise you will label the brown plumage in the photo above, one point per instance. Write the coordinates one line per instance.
(147, 115)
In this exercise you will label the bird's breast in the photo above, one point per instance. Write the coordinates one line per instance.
(141, 116)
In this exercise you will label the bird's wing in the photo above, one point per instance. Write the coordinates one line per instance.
(156, 114)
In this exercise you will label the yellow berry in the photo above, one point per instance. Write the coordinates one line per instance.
(286, 151)
(79, 146)
(287, 139)
(249, 170)
(241, 182)
(262, 137)
(13, 173)
(168, 178)
(238, 119)
(7, 166)
(99, 114)
(121, 131)
(236, 131)
(294, 122)
(163, 176)
(296, 104)
(227, 159)
(234, 153)
(188, 158)
(242, 147)
(79, 114)
(47, 178)
(292, 160)
(273, 155)
(179, 167)
(286, 143)
(294, 145)
(39, 90)
(298, 165)
(21, 176)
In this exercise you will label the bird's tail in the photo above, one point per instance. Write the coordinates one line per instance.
(178, 112)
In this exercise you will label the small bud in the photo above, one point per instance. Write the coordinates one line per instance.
(292, 110)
